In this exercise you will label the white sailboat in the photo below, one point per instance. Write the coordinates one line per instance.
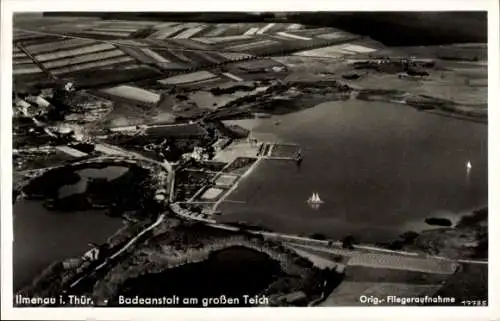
(314, 199)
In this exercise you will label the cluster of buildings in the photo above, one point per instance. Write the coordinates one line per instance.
(198, 154)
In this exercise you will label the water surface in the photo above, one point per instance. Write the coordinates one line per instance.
(109, 172)
(380, 168)
(43, 236)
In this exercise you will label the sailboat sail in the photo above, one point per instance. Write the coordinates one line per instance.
(315, 198)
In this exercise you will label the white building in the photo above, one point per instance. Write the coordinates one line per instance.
(91, 255)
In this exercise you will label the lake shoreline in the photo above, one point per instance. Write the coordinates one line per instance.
(267, 129)
(81, 217)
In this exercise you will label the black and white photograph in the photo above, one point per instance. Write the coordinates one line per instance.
(222, 159)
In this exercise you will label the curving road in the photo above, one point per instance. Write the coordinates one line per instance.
(361, 255)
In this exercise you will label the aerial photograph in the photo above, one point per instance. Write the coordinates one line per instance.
(249, 159)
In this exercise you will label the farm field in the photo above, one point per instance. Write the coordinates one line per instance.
(188, 78)
(92, 48)
(191, 57)
(107, 76)
(205, 30)
(142, 50)
(57, 45)
(85, 58)
(108, 63)
(133, 94)
(337, 51)
(176, 130)
(132, 114)
(27, 68)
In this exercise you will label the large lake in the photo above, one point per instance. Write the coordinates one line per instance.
(380, 168)
(43, 236)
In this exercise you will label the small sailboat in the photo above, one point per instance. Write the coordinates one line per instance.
(298, 158)
(314, 199)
